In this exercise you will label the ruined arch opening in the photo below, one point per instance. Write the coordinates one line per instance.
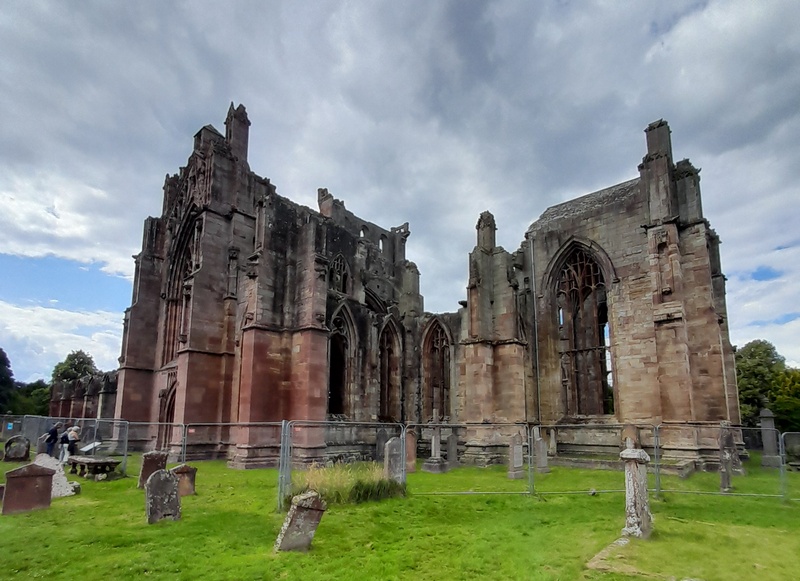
(436, 364)
(337, 379)
(584, 336)
(390, 388)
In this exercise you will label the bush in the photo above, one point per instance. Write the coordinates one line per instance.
(347, 483)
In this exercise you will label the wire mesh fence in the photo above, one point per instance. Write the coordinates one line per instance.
(12, 426)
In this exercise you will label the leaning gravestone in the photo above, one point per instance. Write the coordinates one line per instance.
(151, 461)
(18, 449)
(27, 488)
(452, 450)
(411, 451)
(301, 522)
(638, 519)
(61, 486)
(393, 460)
(186, 477)
(161, 497)
(515, 460)
(380, 441)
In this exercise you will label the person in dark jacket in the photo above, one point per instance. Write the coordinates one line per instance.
(52, 438)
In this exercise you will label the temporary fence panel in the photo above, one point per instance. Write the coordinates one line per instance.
(12, 426)
(790, 445)
(468, 458)
(715, 459)
(150, 436)
(585, 458)
(244, 445)
(350, 448)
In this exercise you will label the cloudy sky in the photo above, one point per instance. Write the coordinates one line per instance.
(421, 111)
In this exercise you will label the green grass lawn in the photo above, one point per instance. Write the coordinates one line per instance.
(228, 531)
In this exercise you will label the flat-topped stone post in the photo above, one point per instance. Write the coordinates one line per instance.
(301, 522)
(393, 460)
(152, 461)
(452, 450)
(638, 519)
(27, 488)
(770, 456)
(515, 458)
(540, 447)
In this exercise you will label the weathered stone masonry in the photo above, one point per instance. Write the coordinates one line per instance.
(248, 307)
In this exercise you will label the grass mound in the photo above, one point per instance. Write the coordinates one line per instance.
(347, 483)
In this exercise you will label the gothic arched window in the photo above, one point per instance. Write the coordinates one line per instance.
(584, 336)
(337, 275)
(389, 409)
(437, 374)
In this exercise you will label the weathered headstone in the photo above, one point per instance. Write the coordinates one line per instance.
(393, 460)
(151, 461)
(552, 443)
(452, 450)
(41, 444)
(161, 498)
(301, 522)
(186, 478)
(770, 457)
(17, 449)
(411, 451)
(638, 519)
(540, 449)
(729, 462)
(435, 463)
(61, 486)
(27, 488)
(380, 441)
(515, 458)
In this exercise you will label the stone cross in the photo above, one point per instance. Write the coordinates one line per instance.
(27, 488)
(638, 519)
(770, 457)
(393, 460)
(452, 450)
(411, 451)
(151, 461)
(435, 463)
(17, 449)
(515, 460)
(186, 478)
(301, 522)
(161, 497)
(60, 486)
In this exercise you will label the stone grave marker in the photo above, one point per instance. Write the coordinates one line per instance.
(41, 445)
(770, 457)
(411, 451)
(27, 488)
(186, 477)
(17, 449)
(151, 461)
(452, 450)
(380, 441)
(729, 462)
(393, 460)
(301, 522)
(435, 463)
(638, 519)
(630, 437)
(161, 497)
(61, 486)
(515, 458)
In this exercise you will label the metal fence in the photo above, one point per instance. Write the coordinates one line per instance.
(12, 426)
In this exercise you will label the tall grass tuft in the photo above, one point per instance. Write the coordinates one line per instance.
(347, 483)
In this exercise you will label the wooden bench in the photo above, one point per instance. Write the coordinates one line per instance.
(91, 466)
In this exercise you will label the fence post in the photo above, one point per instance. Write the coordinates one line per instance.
(657, 458)
(531, 443)
(125, 449)
(183, 442)
(782, 454)
(283, 463)
(403, 451)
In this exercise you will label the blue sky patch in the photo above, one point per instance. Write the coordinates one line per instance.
(763, 273)
(780, 320)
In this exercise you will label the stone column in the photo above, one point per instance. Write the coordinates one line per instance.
(638, 519)
(769, 436)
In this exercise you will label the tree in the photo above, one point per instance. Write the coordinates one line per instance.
(31, 398)
(785, 401)
(6, 382)
(758, 367)
(76, 365)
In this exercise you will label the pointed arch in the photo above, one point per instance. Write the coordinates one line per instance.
(574, 243)
(437, 346)
(341, 355)
(339, 275)
(390, 351)
(577, 284)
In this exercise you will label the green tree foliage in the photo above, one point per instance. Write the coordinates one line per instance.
(76, 365)
(6, 381)
(785, 401)
(31, 398)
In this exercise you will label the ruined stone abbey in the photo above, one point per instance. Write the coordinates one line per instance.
(248, 307)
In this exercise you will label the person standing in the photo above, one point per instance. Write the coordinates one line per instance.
(73, 437)
(52, 438)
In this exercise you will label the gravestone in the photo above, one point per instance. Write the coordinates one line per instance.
(161, 498)
(151, 461)
(411, 451)
(452, 450)
(540, 451)
(27, 488)
(552, 443)
(301, 522)
(380, 441)
(41, 445)
(729, 462)
(435, 463)
(515, 458)
(770, 457)
(17, 449)
(186, 478)
(393, 460)
(61, 486)
(638, 519)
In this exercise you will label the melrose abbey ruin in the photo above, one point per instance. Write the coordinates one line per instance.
(248, 307)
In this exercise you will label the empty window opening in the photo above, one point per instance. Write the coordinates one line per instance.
(337, 378)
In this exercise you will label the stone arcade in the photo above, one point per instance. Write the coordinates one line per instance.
(248, 307)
